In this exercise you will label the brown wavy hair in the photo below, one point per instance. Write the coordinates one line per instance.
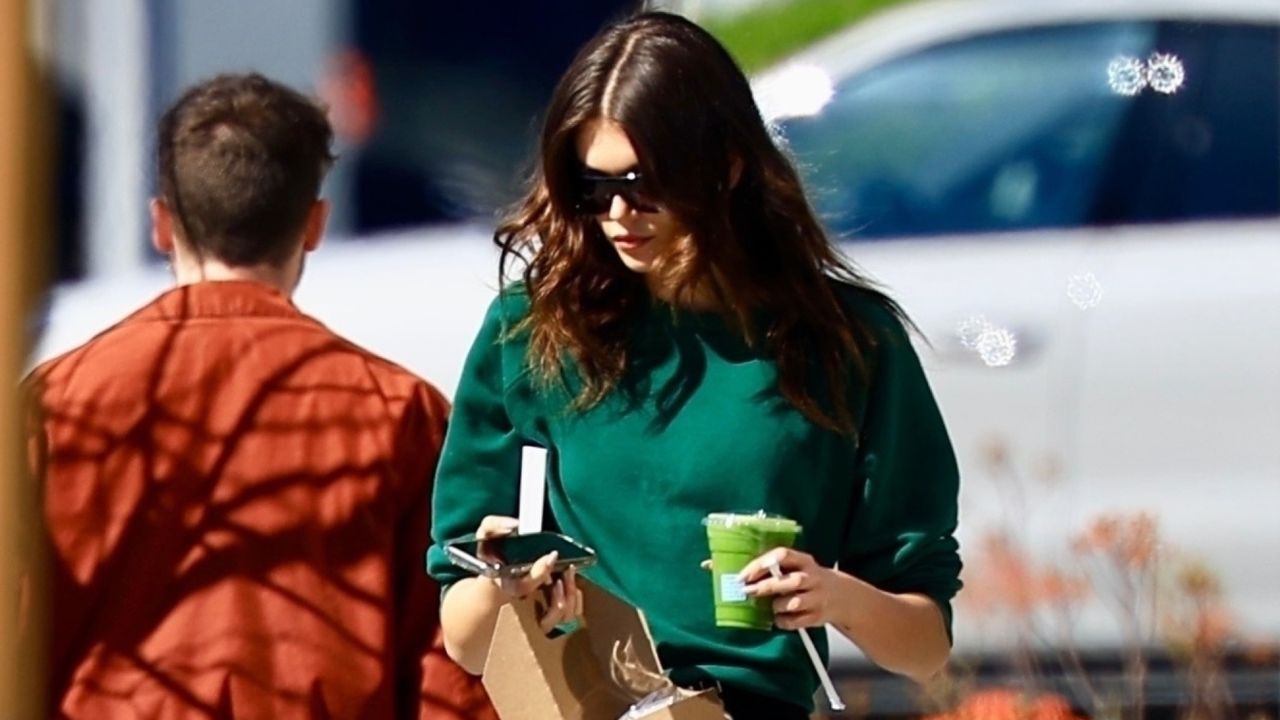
(754, 241)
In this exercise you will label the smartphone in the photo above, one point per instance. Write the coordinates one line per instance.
(510, 556)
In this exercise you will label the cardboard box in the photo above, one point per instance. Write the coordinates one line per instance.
(593, 673)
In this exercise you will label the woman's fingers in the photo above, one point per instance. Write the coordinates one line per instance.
(558, 607)
(795, 621)
(572, 594)
(541, 572)
(491, 528)
(792, 612)
(759, 567)
(558, 600)
(564, 601)
(496, 526)
(570, 580)
(790, 605)
(786, 585)
(539, 575)
(786, 559)
(549, 617)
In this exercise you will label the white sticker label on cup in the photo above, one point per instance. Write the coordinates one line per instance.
(732, 589)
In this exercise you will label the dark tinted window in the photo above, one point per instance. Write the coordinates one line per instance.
(460, 88)
(1022, 129)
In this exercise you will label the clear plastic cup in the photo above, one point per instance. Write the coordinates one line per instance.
(735, 539)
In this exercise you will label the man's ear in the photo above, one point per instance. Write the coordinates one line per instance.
(317, 219)
(162, 227)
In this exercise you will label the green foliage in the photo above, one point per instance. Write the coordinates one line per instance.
(769, 32)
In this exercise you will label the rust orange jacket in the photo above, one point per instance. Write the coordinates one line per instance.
(237, 505)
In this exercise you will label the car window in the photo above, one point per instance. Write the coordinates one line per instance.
(1026, 129)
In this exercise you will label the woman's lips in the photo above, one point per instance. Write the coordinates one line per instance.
(630, 242)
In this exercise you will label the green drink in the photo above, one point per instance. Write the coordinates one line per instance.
(736, 539)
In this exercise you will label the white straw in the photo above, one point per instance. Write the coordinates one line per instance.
(832, 697)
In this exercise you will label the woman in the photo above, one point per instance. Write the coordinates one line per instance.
(685, 340)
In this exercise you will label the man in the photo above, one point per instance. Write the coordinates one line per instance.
(236, 498)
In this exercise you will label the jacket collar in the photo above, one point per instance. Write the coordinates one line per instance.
(221, 299)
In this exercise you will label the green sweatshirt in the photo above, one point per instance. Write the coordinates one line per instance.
(702, 428)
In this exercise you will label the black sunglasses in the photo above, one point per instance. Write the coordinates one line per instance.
(596, 193)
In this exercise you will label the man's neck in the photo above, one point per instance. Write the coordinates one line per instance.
(282, 279)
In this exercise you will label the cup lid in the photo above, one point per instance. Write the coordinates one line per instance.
(757, 520)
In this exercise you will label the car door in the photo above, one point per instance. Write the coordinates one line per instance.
(1180, 397)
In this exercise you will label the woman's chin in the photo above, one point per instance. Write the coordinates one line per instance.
(639, 262)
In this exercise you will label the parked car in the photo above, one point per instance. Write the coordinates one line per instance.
(1078, 202)
(1100, 179)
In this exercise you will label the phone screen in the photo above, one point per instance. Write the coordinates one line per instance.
(514, 554)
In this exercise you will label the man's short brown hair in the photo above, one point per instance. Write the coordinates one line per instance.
(240, 161)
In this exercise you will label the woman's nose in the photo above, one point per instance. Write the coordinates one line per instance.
(617, 207)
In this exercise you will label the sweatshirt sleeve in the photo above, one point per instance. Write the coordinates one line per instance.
(479, 470)
(901, 537)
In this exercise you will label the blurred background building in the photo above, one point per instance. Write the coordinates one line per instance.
(436, 103)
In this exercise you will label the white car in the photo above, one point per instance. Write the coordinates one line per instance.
(1078, 201)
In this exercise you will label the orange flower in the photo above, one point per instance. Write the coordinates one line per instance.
(1141, 539)
(1004, 704)
(1057, 588)
(1098, 537)
(1131, 540)
(1000, 579)
(1213, 627)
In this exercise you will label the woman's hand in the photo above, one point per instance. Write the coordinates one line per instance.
(561, 599)
(805, 595)
(901, 632)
